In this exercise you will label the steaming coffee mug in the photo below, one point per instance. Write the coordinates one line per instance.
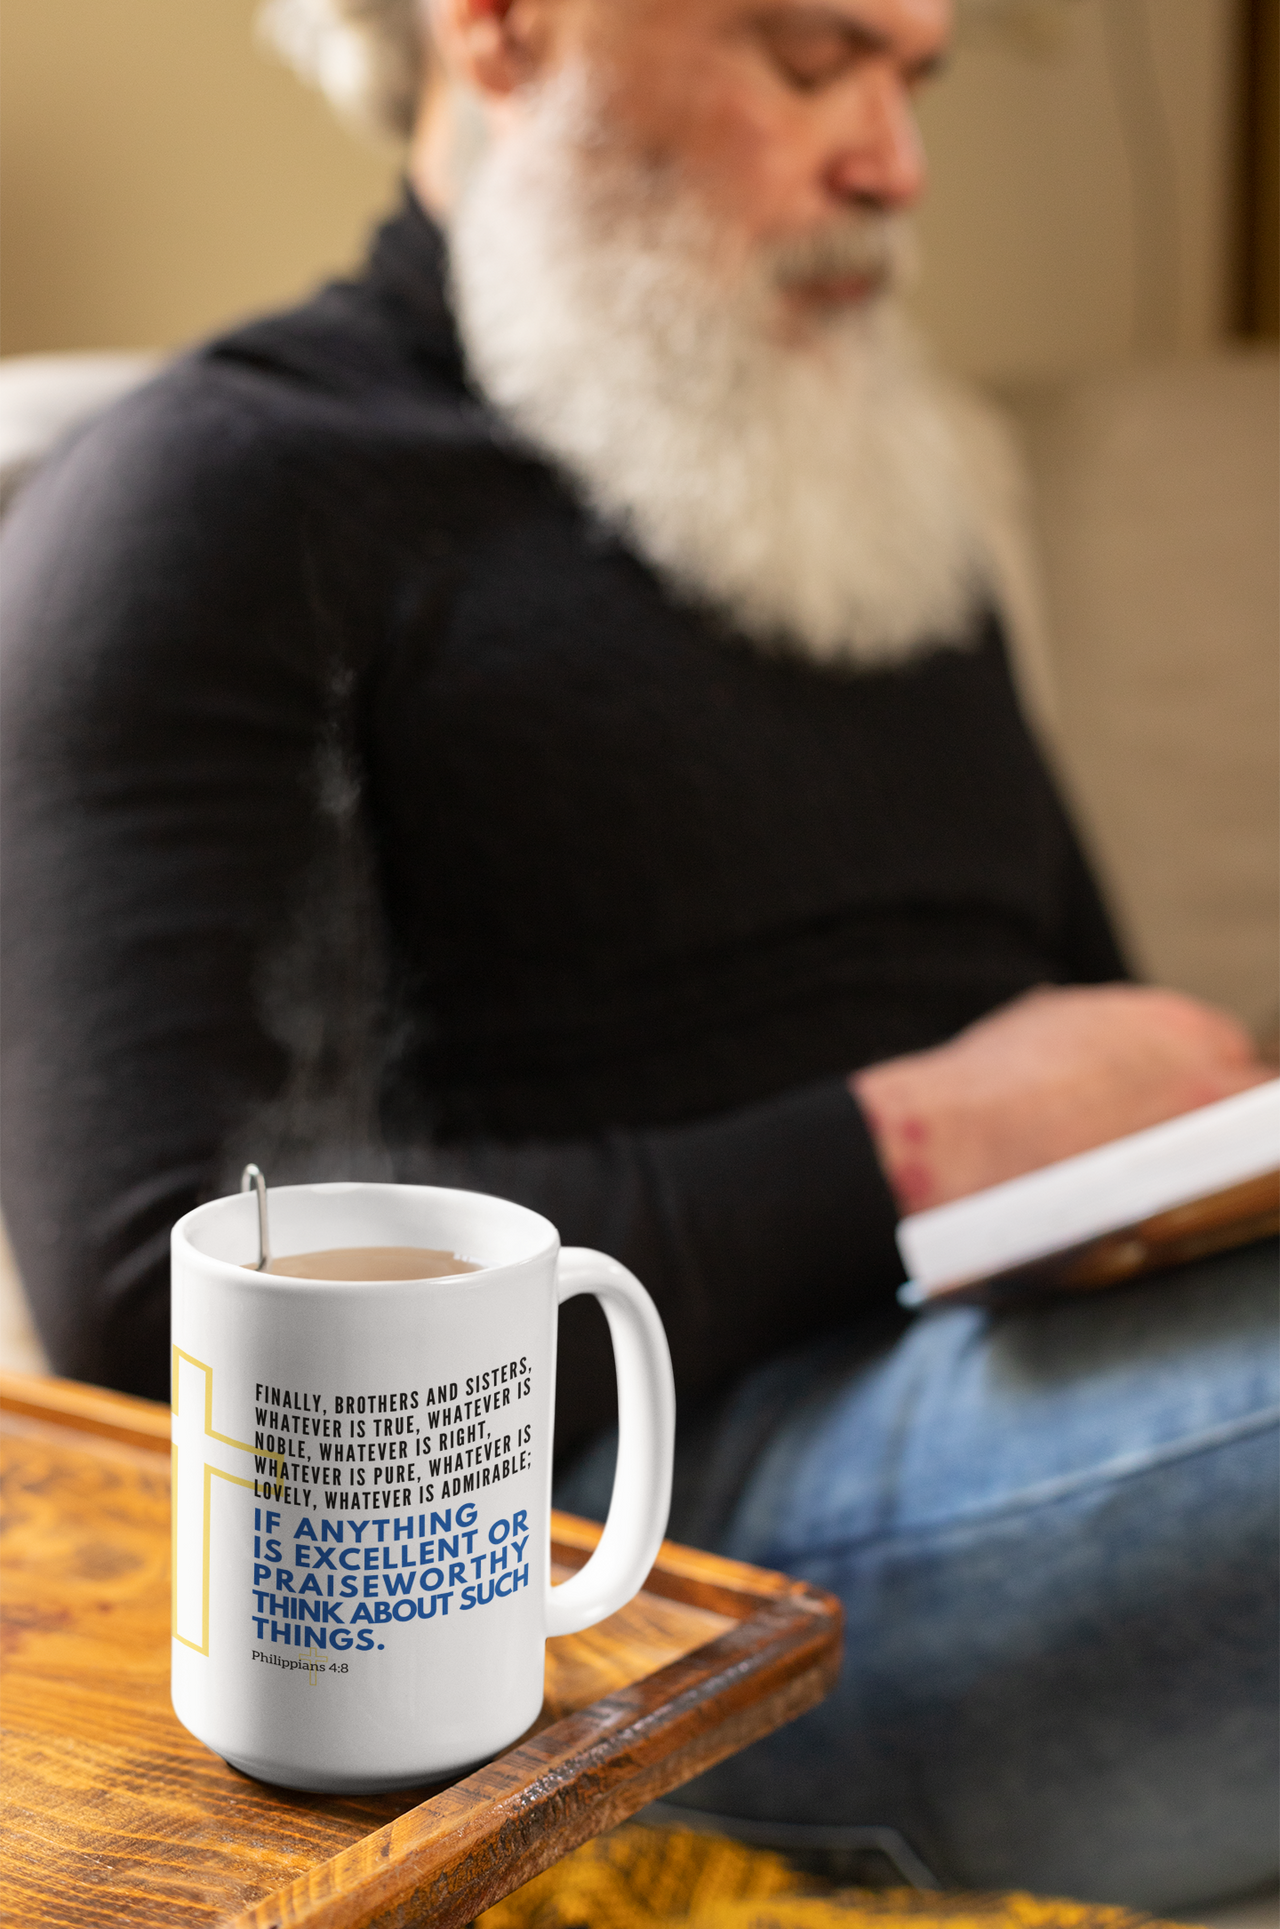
(362, 1477)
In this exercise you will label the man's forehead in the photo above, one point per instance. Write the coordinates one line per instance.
(908, 28)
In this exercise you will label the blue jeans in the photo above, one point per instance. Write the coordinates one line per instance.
(1054, 1534)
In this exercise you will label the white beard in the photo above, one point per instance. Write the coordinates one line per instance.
(809, 488)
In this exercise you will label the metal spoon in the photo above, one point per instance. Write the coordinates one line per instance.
(251, 1180)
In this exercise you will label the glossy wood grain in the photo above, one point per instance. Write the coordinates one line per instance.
(113, 1813)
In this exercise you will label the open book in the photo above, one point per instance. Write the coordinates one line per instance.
(1194, 1185)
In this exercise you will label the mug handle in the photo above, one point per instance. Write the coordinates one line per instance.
(641, 1498)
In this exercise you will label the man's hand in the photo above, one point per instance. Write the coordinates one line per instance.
(1053, 1073)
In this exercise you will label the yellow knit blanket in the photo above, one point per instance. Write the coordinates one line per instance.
(646, 1878)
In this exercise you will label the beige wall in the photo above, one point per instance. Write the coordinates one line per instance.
(160, 175)
(1081, 206)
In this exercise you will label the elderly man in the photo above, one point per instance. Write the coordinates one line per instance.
(532, 718)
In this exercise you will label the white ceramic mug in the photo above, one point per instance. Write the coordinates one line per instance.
(362, 1482)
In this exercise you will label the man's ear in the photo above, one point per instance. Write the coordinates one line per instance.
(493, 45)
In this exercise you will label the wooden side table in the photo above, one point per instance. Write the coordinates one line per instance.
(113, 1813)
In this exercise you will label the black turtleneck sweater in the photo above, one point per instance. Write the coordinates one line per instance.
(370, 809)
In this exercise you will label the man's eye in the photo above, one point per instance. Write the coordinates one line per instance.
(809, 57)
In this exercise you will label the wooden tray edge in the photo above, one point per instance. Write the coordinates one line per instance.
(682, 1573)
(88, 1409)
(444, 1861)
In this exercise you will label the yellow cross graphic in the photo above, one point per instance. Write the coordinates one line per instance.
(193, 1475)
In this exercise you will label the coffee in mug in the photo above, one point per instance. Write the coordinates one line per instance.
(371, 1262)
(362, 1478)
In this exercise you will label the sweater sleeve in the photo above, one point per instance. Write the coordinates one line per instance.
(163, 720)
(754, 1230)
(173, 772)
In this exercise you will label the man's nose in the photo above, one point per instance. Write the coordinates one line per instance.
(881, 161)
